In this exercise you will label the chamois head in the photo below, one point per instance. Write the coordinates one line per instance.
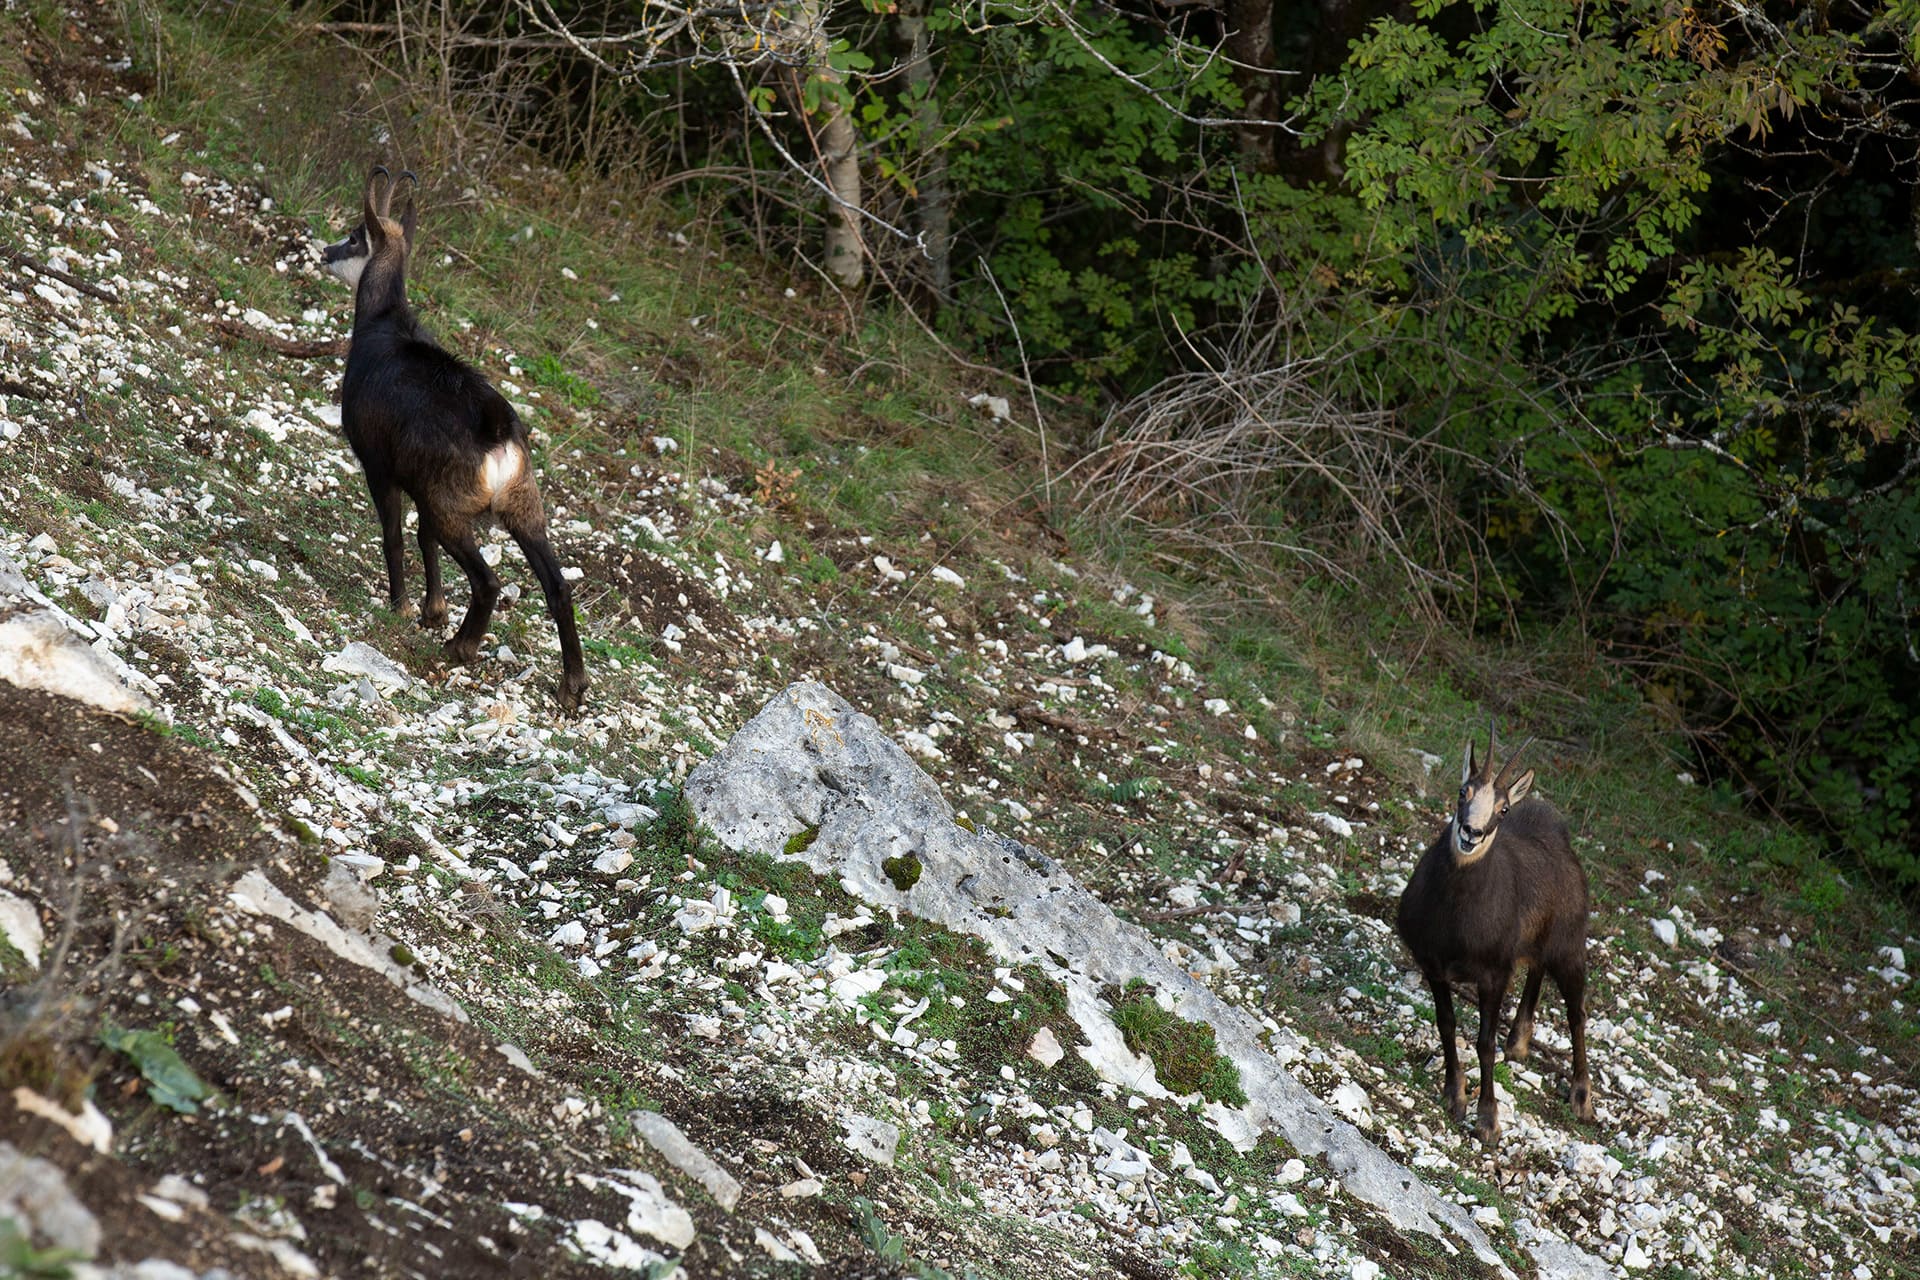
(379, 235)
(1485, 799)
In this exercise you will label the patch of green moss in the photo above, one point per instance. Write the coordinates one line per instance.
(1184, 1054)
(965, 824)
(904, 871)
(801, 840)
(402, 954)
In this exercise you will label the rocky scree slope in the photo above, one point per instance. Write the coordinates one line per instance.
(471, 992)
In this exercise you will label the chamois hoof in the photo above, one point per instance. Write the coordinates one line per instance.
(461, 652)
(1486, 1127)
(1457, 1105)
(402, 607)
(1581, 1101)
(1519, 1045)
(571, 692)
(433, 614)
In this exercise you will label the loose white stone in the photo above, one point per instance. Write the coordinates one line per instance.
(20, 923)
(613, 862)
(1331, 823)
(995, 407)
(664, 1136)
(362, 659)
(1045, 1048)
(772, 1246)
(1352, 1102)
(37, 651)
(870, 1139)
(89, 1128)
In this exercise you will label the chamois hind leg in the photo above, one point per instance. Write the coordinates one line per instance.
(1520, 1035)
(433, 605)
(1572, 980)
(1493, 994)
(486, 590)
(553, 584)
(393, 514)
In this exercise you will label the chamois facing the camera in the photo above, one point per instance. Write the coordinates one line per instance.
(1499, 887)
(426, 424)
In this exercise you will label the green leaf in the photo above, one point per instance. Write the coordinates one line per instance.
(170, 1081)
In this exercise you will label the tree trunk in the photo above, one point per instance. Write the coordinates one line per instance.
(840, 156)
(1250, 47)
(934, 206)
(837, 143)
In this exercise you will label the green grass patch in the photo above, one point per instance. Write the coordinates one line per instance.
(1184, 1054)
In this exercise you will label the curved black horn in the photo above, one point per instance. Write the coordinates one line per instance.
(375, 200)
(1507, 774)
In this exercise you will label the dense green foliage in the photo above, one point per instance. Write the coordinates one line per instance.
(1696, 240)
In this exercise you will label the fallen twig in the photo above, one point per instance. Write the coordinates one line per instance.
(1205, 908)
(54, 273)
(285, 346)
(1037, 714)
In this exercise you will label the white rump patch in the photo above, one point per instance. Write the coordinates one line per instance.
(500, 469)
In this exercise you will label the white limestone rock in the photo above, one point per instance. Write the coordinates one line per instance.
(38, 651)
(20, 924)
(361, 659)
(664, 1136)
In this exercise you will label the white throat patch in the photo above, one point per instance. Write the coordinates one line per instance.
(347, 269)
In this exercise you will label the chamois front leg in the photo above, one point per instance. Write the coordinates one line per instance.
(1452, 1087)
(393, 513)
(1493, 994)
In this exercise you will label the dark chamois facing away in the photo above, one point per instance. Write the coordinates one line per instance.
(1500, 887)
(426, 424)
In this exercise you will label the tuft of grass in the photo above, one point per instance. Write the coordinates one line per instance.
(1185, 1055)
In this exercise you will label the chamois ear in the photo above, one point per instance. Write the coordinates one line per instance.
(1468, 765)
(1520, 789)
